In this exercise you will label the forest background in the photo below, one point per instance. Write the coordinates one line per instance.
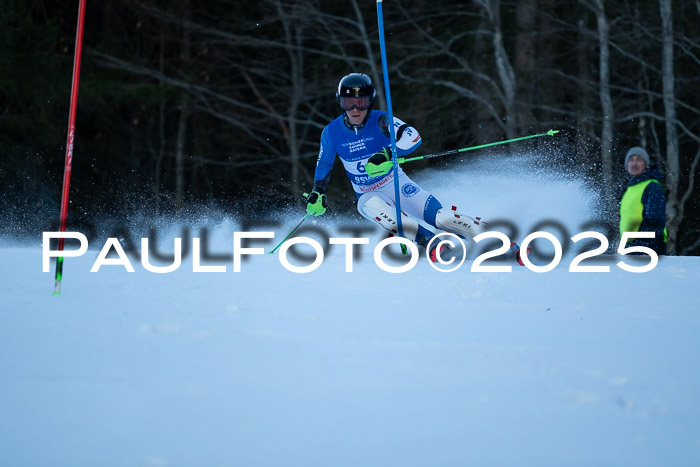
(185, 105)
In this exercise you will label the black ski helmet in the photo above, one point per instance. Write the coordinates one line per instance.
(356, 85)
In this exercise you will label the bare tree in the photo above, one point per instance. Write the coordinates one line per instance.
(184, 113)
(606, 102)
(503, 66)
(525, 57)
(672, 159)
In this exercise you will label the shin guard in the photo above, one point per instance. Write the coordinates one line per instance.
(382, 210)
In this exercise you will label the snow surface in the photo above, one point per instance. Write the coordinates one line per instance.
(270, 368)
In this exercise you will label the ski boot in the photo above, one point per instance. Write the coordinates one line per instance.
(424, 237)
(515, 252)
(434, 252)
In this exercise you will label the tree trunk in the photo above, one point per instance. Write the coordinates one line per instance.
(293, 39)
(161, 125)
(525, 57)
(505, 70)
(673, 219)
(607, 108)
(184, 114)
(585, 97)
(180, 153)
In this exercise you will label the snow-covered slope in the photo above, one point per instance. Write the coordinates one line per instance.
(266, 367)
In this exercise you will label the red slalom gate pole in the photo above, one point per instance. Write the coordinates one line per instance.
(70, 141)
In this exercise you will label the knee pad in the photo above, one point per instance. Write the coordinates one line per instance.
(459, 224)
(381, 210)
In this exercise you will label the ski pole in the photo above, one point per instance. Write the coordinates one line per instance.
(290, 233)
(471, 148)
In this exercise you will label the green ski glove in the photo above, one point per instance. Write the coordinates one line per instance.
(316, 203)
(380, 163)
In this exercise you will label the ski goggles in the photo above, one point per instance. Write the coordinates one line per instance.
(360, 103)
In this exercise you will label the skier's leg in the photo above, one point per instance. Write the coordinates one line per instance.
(462, 225)
(381, 210)
(423, 205)
(415, 201)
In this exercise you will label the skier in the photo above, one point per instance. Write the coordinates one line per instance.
(360, 137)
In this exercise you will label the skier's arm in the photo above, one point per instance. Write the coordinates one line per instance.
(324, 164)
(316, 203)
(407, 138)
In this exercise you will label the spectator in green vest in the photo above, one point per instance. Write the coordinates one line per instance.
(643, 206)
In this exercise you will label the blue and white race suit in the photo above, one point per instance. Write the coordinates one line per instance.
(355, 147)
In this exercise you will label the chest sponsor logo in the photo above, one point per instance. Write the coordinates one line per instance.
(357, 145)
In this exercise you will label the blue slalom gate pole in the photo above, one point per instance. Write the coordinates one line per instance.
(392, 133)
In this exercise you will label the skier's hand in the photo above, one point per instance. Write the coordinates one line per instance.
(380, 163)
(316, 203)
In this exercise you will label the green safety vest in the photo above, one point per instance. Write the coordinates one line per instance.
(632, 209)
